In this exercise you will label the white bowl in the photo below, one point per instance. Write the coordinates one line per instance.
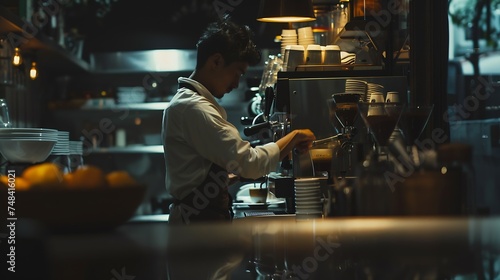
(22, 129)
(26, 150)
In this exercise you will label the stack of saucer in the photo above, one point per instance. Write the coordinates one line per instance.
(308, 198)
(375, 90)
(305, 36)
(356, 86)
(62, 145)
(75, 147)
(60, 153)
(347, 58)
(131, 95)
(75, 154)
(288, 38)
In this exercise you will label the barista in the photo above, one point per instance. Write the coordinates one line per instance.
(202, 149)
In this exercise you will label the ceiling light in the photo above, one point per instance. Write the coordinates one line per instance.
(17, 59)
(286, 11)
(33, 71)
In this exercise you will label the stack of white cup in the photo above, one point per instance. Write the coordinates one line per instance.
(288, 37)
(305, 36)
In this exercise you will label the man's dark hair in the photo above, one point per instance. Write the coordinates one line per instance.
(232, 41)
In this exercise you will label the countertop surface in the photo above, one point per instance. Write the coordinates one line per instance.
(349, 248)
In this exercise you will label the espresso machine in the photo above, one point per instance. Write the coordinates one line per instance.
(303, 97)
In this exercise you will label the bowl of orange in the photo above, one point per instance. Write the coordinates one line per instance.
(86, 199)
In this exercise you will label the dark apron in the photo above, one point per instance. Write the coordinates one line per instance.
(210, 201)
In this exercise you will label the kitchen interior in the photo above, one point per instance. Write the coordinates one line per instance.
(414, 198)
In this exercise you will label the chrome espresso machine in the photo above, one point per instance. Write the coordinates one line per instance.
(303, 97)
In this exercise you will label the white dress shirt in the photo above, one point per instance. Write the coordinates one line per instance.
(196, 134)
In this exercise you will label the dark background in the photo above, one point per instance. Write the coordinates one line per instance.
(153, 24)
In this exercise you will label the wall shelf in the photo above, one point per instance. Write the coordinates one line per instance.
(151, 149)
(146, 106)
(50, 56)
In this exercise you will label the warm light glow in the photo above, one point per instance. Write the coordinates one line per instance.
(137, 121)
(444, 170)
(33, 71)
(286, 19)
(17, 59)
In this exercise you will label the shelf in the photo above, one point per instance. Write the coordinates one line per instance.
(49, 55)
(152, 149)
(102, 105)
(147, 106)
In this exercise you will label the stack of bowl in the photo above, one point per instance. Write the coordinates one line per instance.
(27, 145)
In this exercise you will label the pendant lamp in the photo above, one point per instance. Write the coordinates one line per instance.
(286, 11)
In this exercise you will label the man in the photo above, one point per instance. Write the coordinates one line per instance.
(201, 147)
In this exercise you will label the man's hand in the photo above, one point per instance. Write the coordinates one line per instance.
(304, 139)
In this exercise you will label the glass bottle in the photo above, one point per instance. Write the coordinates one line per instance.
(4, 114)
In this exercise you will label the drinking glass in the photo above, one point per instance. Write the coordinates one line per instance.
(4, 114)
(322, 161)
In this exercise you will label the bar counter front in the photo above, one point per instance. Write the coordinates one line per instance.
(263, 247)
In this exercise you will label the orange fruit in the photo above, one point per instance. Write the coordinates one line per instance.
(68, 179)
(4, 180)
(86, 176)
(120, 178)
(20, 184)
(45, 175)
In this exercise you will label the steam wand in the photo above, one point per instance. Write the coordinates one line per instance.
(327, 140)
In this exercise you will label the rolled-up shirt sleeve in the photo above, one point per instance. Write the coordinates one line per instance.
(219, 141)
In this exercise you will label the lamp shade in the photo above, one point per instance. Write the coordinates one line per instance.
(286, 11)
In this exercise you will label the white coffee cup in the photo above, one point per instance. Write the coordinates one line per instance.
(377, 97)
(392, 96)
(313, 54)
(296, 57)
(332, 54)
